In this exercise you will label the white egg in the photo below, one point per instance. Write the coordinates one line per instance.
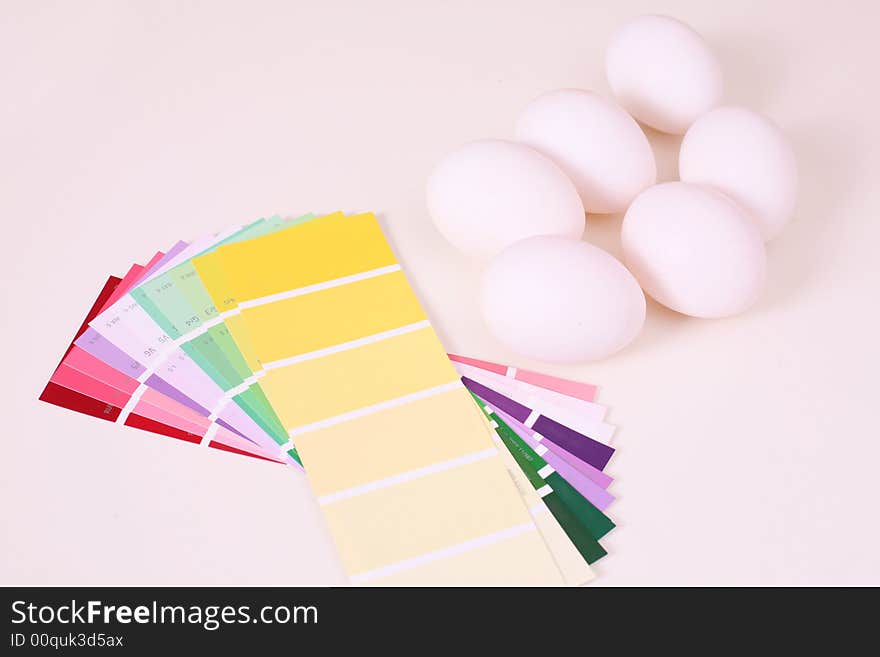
(561, 300)
(489, 194)
(662, 72)
(601, 148)
(743, 154)
(694, 250)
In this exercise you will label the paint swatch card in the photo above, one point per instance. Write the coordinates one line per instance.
(302, 342)
(352, 368)
(126, 337)
(87, 385)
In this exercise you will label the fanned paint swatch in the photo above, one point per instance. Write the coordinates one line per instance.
(301, 342)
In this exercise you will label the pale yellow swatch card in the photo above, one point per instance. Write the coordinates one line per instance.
(412, 486)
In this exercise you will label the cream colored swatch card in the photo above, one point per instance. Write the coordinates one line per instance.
(413, 488)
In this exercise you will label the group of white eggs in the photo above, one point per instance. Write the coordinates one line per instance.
(695, 246)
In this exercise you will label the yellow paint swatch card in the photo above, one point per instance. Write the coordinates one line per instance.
(372, 447)
(412, 486)
(354, 378)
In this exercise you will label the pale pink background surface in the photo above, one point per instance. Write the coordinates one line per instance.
(748, 447)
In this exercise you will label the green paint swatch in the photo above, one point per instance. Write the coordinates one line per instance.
(178, 302)
(582, 522)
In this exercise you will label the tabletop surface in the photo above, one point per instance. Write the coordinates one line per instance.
(748, 447)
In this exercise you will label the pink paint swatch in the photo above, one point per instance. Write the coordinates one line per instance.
(584, 391)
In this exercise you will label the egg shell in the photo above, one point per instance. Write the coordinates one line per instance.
(694, 250)
(561, 300)
(598, 145)
(491, 193)
(662, 72)
(745, 155)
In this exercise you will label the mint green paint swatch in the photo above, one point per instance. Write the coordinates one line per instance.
(178, 302)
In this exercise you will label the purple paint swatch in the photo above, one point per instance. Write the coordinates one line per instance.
(584, 447)
(591, 490)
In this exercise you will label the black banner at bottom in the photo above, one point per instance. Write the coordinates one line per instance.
(425, 620)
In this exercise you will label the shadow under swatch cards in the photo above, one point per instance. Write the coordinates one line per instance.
(303, 341)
